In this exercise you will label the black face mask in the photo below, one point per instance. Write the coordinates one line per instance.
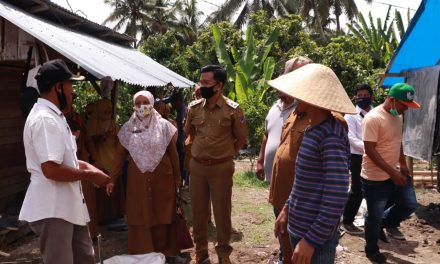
(62, 98)
(207, 92)
(363, 102)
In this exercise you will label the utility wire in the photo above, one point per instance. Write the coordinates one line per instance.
(210, 3)
(71, 9)
(396, 6)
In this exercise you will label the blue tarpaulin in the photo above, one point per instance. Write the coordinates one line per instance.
(420, 45)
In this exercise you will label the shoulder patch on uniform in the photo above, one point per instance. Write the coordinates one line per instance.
(195, 102)
(231, 103)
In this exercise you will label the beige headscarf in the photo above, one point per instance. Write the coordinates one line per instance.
(146, 139)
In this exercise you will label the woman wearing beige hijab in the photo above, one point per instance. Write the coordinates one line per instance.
(153, 176)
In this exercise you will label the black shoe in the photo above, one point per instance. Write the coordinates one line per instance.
(352, 229)
(377, 257)
(395, 233)
(383, 236)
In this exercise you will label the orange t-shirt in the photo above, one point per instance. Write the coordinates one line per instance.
(386, 130)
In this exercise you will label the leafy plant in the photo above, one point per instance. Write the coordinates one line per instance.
(381, 38)
(249, 69)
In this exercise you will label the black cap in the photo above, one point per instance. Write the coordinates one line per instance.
(52, 72)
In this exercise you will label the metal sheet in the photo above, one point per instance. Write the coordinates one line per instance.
(100, 58)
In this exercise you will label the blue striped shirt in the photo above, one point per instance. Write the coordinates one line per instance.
(319, 192)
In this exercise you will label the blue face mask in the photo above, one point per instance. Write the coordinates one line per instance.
(393, 111)
(363, 102)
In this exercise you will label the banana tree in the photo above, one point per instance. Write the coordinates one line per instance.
(381, 38)
(248, 69)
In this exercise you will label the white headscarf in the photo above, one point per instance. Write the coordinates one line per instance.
(146, 139)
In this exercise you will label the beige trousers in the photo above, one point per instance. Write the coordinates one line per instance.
(213, 182)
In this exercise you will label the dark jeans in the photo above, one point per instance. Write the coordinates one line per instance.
(280, 251)
(355, 196)
(324, 254)
(378, 194)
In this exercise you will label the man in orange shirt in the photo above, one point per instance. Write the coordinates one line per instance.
(382, 180)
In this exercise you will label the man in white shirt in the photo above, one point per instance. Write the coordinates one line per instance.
(364, 95)
(54, 204)
(275, 118)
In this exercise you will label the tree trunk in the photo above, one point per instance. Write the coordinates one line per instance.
(318, 21)
(338, 25)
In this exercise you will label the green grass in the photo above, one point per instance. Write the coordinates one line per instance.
(248, 179)
(253, 214)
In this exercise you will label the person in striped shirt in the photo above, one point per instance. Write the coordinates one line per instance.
(319, 193)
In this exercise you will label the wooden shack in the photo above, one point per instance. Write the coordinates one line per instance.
(32, 31)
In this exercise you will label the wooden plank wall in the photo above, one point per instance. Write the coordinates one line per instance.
(14, 177)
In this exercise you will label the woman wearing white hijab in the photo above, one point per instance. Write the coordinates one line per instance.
(153, 175)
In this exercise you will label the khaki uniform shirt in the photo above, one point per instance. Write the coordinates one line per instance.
(215, 131)
(283, 172)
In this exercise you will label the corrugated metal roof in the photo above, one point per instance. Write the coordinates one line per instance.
(100, 58)
(58, 15)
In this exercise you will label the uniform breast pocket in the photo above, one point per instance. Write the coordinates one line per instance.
(197, 122)
(224, 126)
(225, 122)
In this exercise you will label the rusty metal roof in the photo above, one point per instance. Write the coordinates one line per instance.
(98, 57)
(47, 10)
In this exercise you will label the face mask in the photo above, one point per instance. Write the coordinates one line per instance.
(363, 102)
(143, 110)
(393, 111)
(62, 98)
(207, 92)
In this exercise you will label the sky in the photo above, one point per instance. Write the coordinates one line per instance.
(97, 11)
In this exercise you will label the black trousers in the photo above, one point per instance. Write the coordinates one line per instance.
(355, 195)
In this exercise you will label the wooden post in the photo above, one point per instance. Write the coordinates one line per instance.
(114, 94)
(410, 164)
(437, 159)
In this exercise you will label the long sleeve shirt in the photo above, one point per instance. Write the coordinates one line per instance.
(319, 192)
(354, 123)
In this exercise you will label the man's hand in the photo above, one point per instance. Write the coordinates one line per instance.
(109, 188)
(281, 223)
(404, 170)
(96, 175)
(260, 170)
(303, 252)
(398, 178)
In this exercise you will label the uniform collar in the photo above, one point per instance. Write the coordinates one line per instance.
(220, 101)
(50, 105)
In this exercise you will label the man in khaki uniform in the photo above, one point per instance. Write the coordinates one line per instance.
(218, 131)
(284, 161)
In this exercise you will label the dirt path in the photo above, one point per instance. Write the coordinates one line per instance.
(253, 240)
(422, 233)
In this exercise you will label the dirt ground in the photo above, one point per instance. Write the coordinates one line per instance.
(253, 239)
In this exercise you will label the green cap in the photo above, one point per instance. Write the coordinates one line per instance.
(404, 93)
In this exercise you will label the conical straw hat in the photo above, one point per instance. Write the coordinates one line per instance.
(317, 85)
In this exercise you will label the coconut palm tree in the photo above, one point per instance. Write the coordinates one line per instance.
(347, 7)
(243, 8)
(144, 17)
(188, 20)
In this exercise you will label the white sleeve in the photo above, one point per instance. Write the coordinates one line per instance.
(48, 140)
(355, 142)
